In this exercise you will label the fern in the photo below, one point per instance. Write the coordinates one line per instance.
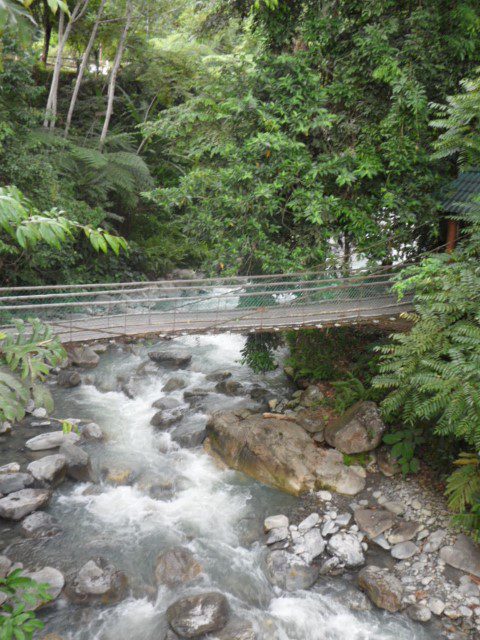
(463, 491)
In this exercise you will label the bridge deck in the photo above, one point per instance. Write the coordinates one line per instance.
(257, 320)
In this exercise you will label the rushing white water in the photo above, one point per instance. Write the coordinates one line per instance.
(217, 513)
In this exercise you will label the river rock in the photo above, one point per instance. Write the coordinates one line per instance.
(119, 475)
(463, 555)
(360, 429)
(237, 629)
(382, 587)
(84, 357)
(176, 566)
(177, 359)
(166, 403)
(92, 431)
(403, 531)
(290, 572)
(310, 421)
(218, 376)
(78, 462)
(174, 384)
(195, 396)
(433, 542)
(11, 467)
(279, 453)
(313, 545)
(347, 548)
(97, 581)
(311, 397)
(419, 613)
(310, 521)
(230, 388)
(5, 428)
(68, 379)
(51, 440)
(404, 550)
(197, 615)
(372, 522)
(11, 482)
(275, 522)
(39, 525)
(48, 575)
(5, 566)
(49, 470)
(17, 505)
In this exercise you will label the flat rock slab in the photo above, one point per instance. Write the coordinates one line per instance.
(404, 550)
(403, 531)
(17, 505)
(279, 453)
(50, 469)
(464, 555)
(374, 522)
(200, 614)
(51, 440)
(39, 525)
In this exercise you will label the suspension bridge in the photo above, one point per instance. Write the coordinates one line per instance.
(81, 313)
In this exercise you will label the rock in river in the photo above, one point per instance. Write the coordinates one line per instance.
(49, 470)
(176, 566)
(50, 576)
(382, 587)
(177, 359)
(39, 525)
(19, 504)
(50, 440)
(68, 379)
(290, 572)
(198, 615)
(279, 453)
(84, 357)
(360, 429)
(347, 548)
(97, 581)
(237, 629)
(11, 482)
(78, 462)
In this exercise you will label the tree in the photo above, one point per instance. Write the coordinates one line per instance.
(27, 354)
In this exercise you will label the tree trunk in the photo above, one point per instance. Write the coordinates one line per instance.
(63, 34)
(83, 66)
(47, 26)
(114, 73)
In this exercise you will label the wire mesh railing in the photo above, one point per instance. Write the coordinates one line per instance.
(201, 304)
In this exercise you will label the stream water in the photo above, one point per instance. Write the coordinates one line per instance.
(217, 513)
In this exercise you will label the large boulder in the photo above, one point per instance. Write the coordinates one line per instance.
(360, 429)
(49, 470)
(84, 357)
(97, 582)
(463, 555)
(11, 482)
(50, 576)
(177, 359)
(17, 505)
(78, 462)
(347, 548)
(382, 587)
(198, 615)
(230, 387)
(279, 453)
(289, 572)
(176, 566)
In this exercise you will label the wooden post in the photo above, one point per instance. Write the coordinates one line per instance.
(452, 232)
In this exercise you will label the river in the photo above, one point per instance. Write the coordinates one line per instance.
(217, 513)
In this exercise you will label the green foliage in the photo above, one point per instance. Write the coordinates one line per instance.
(258, 352)
(17, 622)
(352, 390)
(26, 358)
(330, 354)
(405, 443)
(463, 491)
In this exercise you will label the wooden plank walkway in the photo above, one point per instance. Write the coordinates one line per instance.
(174, 322)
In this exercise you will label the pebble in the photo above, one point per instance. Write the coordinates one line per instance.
(415, 504)
(309, 522)
(436, 606)
(326, 496)
(275, 522)
(404, 550)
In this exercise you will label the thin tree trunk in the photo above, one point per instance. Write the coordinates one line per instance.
(113, 75)
(47, 25)
(83, 66)
(63, 34)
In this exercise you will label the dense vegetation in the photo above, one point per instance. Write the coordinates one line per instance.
(253, 136)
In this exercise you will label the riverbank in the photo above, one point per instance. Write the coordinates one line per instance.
(135, 485)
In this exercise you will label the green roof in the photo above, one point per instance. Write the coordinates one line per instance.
(461, 191)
